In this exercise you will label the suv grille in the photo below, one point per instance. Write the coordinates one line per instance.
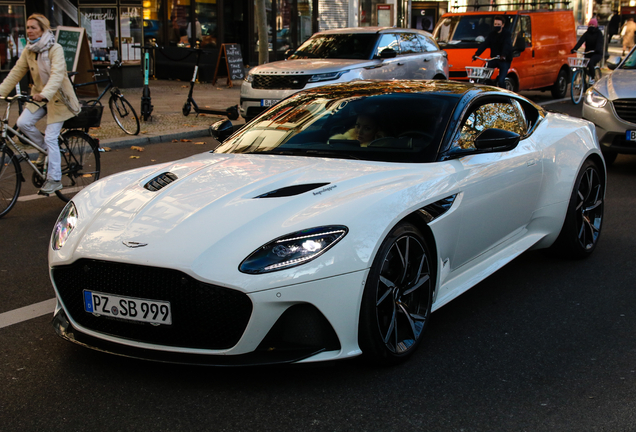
(280, 82)
(203, 315)
(626, 109)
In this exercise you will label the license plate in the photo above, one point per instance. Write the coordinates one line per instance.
(631, 135)
(269, 102)
(128, 308)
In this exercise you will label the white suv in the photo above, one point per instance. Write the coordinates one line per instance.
(344, 55)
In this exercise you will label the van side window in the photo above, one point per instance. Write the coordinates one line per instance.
(409, 43)
(523, 29)
(387, 41)
(500, 115)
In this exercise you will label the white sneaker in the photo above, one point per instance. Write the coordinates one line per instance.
(41, 158)
(50, 186)
(591, 81)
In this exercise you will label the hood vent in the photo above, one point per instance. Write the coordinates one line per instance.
(291, 190)
(161, 181)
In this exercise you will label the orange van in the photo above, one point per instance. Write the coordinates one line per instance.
(542, 41)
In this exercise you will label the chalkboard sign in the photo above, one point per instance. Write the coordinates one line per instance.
(77, 56)
(231, 58)
(70, 40)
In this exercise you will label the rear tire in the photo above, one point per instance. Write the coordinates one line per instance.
(80, 163)
(510, 84)
(578, 86)
(10, 179)
(584, 218)
(560, 86)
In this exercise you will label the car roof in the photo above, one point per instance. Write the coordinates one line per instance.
(371, 30)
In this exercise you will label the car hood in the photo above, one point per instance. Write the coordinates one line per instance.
(618, 85)
(310, 66)
(216, 210)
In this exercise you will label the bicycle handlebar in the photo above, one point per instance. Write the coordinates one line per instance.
(20, 97)
(488, 59)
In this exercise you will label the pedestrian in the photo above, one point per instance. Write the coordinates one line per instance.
(51, 89)
(499, 40)
(628, 34)
(593, 40)
(613, 26)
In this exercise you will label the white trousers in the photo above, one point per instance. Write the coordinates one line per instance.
(26, 122)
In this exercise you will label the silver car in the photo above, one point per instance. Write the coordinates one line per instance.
(611, 105)
(344, 55)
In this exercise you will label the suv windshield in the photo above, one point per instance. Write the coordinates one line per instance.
(394, 127)
(466, 31)
(337, 46)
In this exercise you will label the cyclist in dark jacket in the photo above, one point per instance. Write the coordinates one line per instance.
(593, 40)
(499, 40)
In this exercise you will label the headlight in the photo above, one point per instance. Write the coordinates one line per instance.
(595, 99)
(293, 249)
(327, 76)
(249, 78)
(65, 224)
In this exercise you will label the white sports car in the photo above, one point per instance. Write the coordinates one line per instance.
(329, 227)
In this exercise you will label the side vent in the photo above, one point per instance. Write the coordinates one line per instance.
(438, 208)
(291, 190)
(160, 182)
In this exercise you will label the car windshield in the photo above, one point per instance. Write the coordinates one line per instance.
(394, 127)
(338, 46)
(630, 61)
(465, 31)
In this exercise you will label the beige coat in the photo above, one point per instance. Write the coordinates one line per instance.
(62, 103)
(628, 38)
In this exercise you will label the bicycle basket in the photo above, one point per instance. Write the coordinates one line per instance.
(580, 62)
(479, 72)
(90, 116)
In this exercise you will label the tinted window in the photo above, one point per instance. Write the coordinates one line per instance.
(499, 115)
(409, 43)
(466, 30)
(427, 43)
(343, 46)
(387, 41)
(523, 31)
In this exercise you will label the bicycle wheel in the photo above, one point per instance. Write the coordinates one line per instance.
(80, 162)
(10, 179)
(578, 86)
(124, 114)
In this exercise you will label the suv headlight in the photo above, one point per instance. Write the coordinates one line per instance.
(66, 222)
(327, 76)
(595, 99)
(249, 78)
(293, 249)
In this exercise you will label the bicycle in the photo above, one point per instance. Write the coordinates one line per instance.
(580, 79)
(481, 75)
(79, 152)
(122, 111)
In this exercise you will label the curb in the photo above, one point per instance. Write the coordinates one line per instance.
(153, 139)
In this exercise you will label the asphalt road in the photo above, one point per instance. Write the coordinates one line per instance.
(543, 345)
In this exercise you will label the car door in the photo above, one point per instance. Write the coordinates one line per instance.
(525, 64)
(413, 56)
(499, 189)
(388, 68)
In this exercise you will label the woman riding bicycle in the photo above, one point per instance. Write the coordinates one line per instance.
(593, 40)
(51, 89)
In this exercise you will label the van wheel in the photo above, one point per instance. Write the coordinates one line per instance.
(560, 86)
(510, 84)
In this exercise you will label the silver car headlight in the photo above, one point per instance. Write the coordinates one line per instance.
(327, 76)
(65, 224)
(249, 78)
(293, 249)
(595, 99)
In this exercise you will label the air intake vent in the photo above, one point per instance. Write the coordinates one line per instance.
(291, 190)
(161, 181)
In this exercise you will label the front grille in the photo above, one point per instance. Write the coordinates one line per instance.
(626, 109)
(203, 315)
(280, 82)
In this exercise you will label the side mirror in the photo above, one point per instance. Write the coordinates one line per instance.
(496, 139)
(222, 130)
(289, 53)
(388, 53)
(613, 62)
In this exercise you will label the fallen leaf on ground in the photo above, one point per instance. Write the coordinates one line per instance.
(200, 142)
(137, 148)
(144, 132)
(185, 140)
(133, 157)
(175, 140)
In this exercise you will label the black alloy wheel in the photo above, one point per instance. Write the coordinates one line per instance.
(396, 304)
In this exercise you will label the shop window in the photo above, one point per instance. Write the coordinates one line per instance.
(101, 28)
(12, 34)
(130, 24)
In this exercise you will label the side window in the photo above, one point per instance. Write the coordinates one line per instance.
(499, 115)
(522, 32)
(387, 41)
(409, 44)
(427, 43)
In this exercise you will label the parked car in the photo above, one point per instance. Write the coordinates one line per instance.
(611, 105)
(343, 55)
(541, 40)
(297, 240)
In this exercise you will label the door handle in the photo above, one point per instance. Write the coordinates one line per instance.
(427, 59)
(400, 64)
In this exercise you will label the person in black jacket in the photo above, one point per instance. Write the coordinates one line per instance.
(593, 40)
(499, 40)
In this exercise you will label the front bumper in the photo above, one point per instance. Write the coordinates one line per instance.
(610, 129)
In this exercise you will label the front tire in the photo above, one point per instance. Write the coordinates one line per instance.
(578, 86)
(560, 86)
(584, 218)
(124, 114)
(10, 179)
(396, 303)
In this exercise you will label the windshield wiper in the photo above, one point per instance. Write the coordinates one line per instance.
(310, 153)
